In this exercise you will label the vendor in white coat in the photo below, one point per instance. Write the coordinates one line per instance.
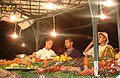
(46, 52)
(103, 43)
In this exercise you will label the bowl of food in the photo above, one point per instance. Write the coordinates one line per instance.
(21, 56)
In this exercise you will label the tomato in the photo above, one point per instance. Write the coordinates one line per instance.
(108, 67)
(62, 68)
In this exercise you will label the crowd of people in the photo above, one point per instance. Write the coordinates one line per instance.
(103, 41)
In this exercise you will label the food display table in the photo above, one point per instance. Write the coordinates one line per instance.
(62, 68)
(59, 74)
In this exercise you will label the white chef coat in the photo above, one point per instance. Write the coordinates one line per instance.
(45, 54)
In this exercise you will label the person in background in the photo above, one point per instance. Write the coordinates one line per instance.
(46, 52)
(103, 46)
(70, 50)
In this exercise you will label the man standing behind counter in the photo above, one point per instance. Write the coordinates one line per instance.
(46, 52)
(72, 52)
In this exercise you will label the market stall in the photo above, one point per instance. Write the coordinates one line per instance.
(61, 66)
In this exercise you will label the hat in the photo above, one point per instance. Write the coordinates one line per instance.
(105, 34)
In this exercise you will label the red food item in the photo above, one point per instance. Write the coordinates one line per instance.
(91, 71)
(57, 68)
(37, 60)
(104, 67)
(81, 73)
(108, 67)
(40, 70)
(54, 68)
(103, 63)
(49, 59)
(116, 64)
(85, 72)
(107, 61)
(100, 64)
(62, 68)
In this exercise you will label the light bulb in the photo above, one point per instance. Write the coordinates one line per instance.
(53, 33)
(12, 17)
(23, 44)
(14, 35)
(108, 3)
(102, 15)
(51, 6)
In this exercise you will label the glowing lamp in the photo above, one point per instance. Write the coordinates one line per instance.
(108, 3)
(23, 44)
(51, 6)
(102, 15)
(14, 35)
(12, 18)
(53, 33)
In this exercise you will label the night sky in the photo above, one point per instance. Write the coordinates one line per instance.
(10, 47)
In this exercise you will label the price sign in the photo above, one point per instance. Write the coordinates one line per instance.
(7, 7)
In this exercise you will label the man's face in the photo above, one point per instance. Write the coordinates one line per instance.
(68, 44)
(49, 44)
(101, 38)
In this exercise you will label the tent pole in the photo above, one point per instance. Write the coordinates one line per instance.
(118, 22)
(93, 4)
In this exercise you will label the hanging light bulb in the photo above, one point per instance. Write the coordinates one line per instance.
(108, 3)
(13, 17)
(23, 44)
(51, 6)
(102, 15)
(14, 35)
(53, 33)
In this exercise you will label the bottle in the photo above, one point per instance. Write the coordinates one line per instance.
(85, 62)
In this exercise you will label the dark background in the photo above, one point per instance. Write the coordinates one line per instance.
(10, 47)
